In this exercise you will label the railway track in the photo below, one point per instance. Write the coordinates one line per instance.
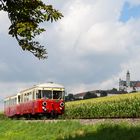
(92, 121)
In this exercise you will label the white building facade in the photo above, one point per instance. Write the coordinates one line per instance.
(128, 85)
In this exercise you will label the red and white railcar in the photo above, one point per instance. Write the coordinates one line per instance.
(40, 100)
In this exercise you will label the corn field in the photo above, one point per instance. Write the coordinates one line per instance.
(119, 106)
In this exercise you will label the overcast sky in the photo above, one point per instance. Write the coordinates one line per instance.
(91, 47)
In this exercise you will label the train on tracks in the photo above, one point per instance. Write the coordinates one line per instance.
(47, 99)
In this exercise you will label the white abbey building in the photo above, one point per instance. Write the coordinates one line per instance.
(128, 85)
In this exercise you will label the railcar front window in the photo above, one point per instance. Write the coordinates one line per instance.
(47, 94)
(57, 94)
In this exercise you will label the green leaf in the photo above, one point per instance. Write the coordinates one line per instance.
(25, 17)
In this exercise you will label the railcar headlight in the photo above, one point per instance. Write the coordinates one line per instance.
(44, 108)
(44, 103)
(62, 104)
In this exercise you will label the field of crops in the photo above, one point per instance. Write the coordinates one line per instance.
(119, 106)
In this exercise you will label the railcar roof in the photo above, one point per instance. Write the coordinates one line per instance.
(45, 85)
(50, 85)
(12, 96)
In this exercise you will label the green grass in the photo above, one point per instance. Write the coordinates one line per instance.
(107, 131)
(67, 130)
(21, 130)
(2, 116)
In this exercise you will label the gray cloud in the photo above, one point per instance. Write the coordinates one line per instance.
(87, 49)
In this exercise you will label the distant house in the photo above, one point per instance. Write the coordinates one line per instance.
(79, 96)
(128, 85)
(137, 86)
(88, 94)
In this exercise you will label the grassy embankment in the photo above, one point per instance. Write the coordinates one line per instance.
(119, 106)
(67, 130)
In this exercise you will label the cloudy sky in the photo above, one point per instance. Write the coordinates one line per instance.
(93, 46)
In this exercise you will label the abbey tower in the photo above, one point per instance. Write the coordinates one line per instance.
(128, 85)
(128, 79)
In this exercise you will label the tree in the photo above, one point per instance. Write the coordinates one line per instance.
(70, 97)
(114, 89)
(25, 17)
(89, 95)
(103, 94)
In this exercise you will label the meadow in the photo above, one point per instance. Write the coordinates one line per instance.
(67, 130)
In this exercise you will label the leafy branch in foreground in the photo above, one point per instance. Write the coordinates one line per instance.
(25, 17)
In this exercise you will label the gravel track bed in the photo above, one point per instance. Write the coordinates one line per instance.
(94, 121)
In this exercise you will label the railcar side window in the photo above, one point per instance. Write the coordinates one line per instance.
(30, 96)
(33, 95)
(18, 98)
(25, 97)
(38, 95)
(15, 102)
(22, 98)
